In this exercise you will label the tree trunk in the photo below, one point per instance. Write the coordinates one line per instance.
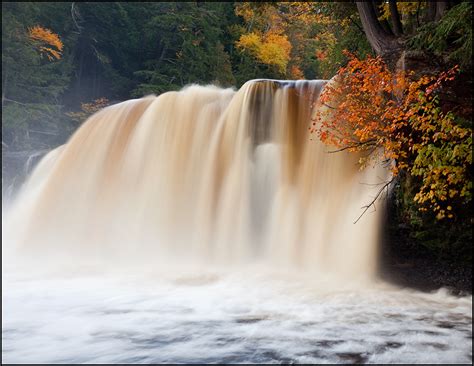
(383, 22)
(431, 11)
(395, 17)
(4, 87)
(383, 43)
(441, 8)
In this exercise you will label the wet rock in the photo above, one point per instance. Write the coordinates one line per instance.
(249, 320)
(352, 357)
(326, 343)
(392, 344)
(440, 346)
(446, 325)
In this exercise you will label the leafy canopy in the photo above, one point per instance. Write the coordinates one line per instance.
(394, 116)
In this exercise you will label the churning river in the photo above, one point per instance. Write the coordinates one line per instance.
(227, 317)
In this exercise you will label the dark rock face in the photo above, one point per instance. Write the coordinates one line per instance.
(427, 275)
(419, 62)
(408, 263)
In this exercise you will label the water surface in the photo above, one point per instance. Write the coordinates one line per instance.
(227, 317)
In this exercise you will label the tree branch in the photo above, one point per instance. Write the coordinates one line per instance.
(359, 144)
(327, 105)
(14, 101)
(73, 15)
(44, 132)
(372, 203)
(357, 25)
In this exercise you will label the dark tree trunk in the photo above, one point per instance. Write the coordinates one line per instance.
(4, 87)
(436, 9)
(441, 8)
(395, 17)
(384, 44)
(431, 11)
(383, 22)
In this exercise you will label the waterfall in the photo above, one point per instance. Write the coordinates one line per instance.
(206, 175)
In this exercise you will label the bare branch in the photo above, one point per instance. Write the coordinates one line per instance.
(14, 101)
(357, 25)
(327, 105)
(359, 144)
(73, 15)
(44, 132)
(372, 203)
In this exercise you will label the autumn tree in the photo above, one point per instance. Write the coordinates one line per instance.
(46, 42)
(307, 37)
(411, 107)
(88, 109)
(392, 117)
(34, 74)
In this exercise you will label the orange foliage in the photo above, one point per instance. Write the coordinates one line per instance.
(88, 109)
(321, 55)
(46, 40)
(296, 72)
(369, 108)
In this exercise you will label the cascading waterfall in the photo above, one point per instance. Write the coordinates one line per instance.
(208, 174)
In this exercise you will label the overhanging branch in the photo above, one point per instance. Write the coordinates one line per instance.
(372, 203)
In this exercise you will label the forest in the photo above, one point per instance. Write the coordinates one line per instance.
(63, 61)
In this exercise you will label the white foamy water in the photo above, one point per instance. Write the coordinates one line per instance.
(227, 317)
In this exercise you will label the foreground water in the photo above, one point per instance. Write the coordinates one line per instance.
(221, 316)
